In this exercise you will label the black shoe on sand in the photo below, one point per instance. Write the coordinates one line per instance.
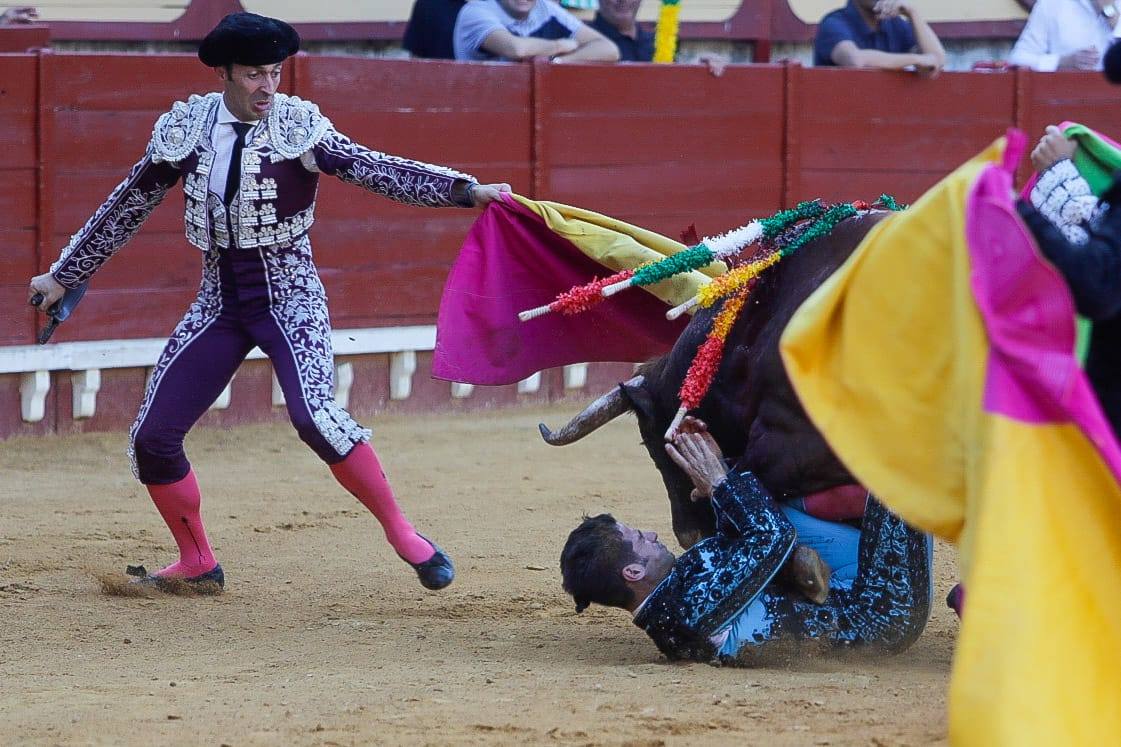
(211, 582)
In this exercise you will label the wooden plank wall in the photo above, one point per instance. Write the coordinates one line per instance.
(1050, 98)
(98, 112)
(662, 147)
(18, 198)
(854, 134)
(384, 264)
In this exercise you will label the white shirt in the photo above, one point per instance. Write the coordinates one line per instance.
(481, 18)
(1059, 27)
(222, 139)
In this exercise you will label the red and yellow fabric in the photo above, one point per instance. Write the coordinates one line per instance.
(520, 254)
(938, 362)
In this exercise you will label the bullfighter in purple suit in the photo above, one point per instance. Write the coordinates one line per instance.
(250, 159)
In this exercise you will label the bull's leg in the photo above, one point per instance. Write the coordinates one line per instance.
(692, 522)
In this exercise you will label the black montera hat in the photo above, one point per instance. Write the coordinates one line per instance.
(1111, 64)
(248, 39)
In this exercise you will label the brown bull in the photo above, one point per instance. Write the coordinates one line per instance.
(750, 409)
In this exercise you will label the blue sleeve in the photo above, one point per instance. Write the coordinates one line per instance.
(908, 37)
(754, 539)
(742, 505)
(718, 577)
(832, 31)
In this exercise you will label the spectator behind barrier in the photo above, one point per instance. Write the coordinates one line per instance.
(523, 29)
(616, 21)
(23, 14)
(431, 25)
(1111, 63)
(1066, 35)
(885, 34)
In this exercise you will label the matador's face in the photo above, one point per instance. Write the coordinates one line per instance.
(249, 89)
(651, 557)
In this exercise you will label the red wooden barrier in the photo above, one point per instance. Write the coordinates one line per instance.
(24, 38)
(854, 134)
(98, 113)
(18, 200)
(383, 263)
(662, 147)
(1050, 98)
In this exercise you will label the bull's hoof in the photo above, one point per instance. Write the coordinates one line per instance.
(808, 573)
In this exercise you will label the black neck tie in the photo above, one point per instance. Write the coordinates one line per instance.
(233, 176)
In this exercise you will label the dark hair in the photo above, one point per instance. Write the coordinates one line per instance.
(591, 560)
(1111, 63)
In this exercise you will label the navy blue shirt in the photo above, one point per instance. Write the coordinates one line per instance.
(429, 33)
(638, 49)
(846, 24)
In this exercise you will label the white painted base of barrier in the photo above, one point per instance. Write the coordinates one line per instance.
(87, 360)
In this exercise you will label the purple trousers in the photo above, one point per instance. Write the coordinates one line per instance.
(269, 298)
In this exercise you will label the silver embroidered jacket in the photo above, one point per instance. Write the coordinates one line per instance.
(275, 204)
(1064, 196)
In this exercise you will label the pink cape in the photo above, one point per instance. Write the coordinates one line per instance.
(512, 261)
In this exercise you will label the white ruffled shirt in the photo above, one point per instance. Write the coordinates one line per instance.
(222, 139)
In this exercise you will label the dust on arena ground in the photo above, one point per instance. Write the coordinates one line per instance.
(324, 637)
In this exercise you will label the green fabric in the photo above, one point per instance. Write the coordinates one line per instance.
(1096, 158)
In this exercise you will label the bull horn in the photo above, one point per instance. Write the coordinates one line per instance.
(598, 413)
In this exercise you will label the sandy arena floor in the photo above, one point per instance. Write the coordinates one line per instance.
(325, 638)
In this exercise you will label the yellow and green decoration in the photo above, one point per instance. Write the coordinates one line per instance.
(665, 35)
(808, 221)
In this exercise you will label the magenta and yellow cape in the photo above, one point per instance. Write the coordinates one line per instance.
(939, 364)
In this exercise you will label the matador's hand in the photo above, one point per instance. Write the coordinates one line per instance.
(51, 289)
(1052, 148)
(485, 194)
(892, 9)
(696, 452)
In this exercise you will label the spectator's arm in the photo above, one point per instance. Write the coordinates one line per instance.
(594, 47)
(926, 40)
(847, 54)
(502, 43)
(1031, 49)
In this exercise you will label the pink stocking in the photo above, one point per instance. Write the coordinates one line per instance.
(178, 504)
(361, 474)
